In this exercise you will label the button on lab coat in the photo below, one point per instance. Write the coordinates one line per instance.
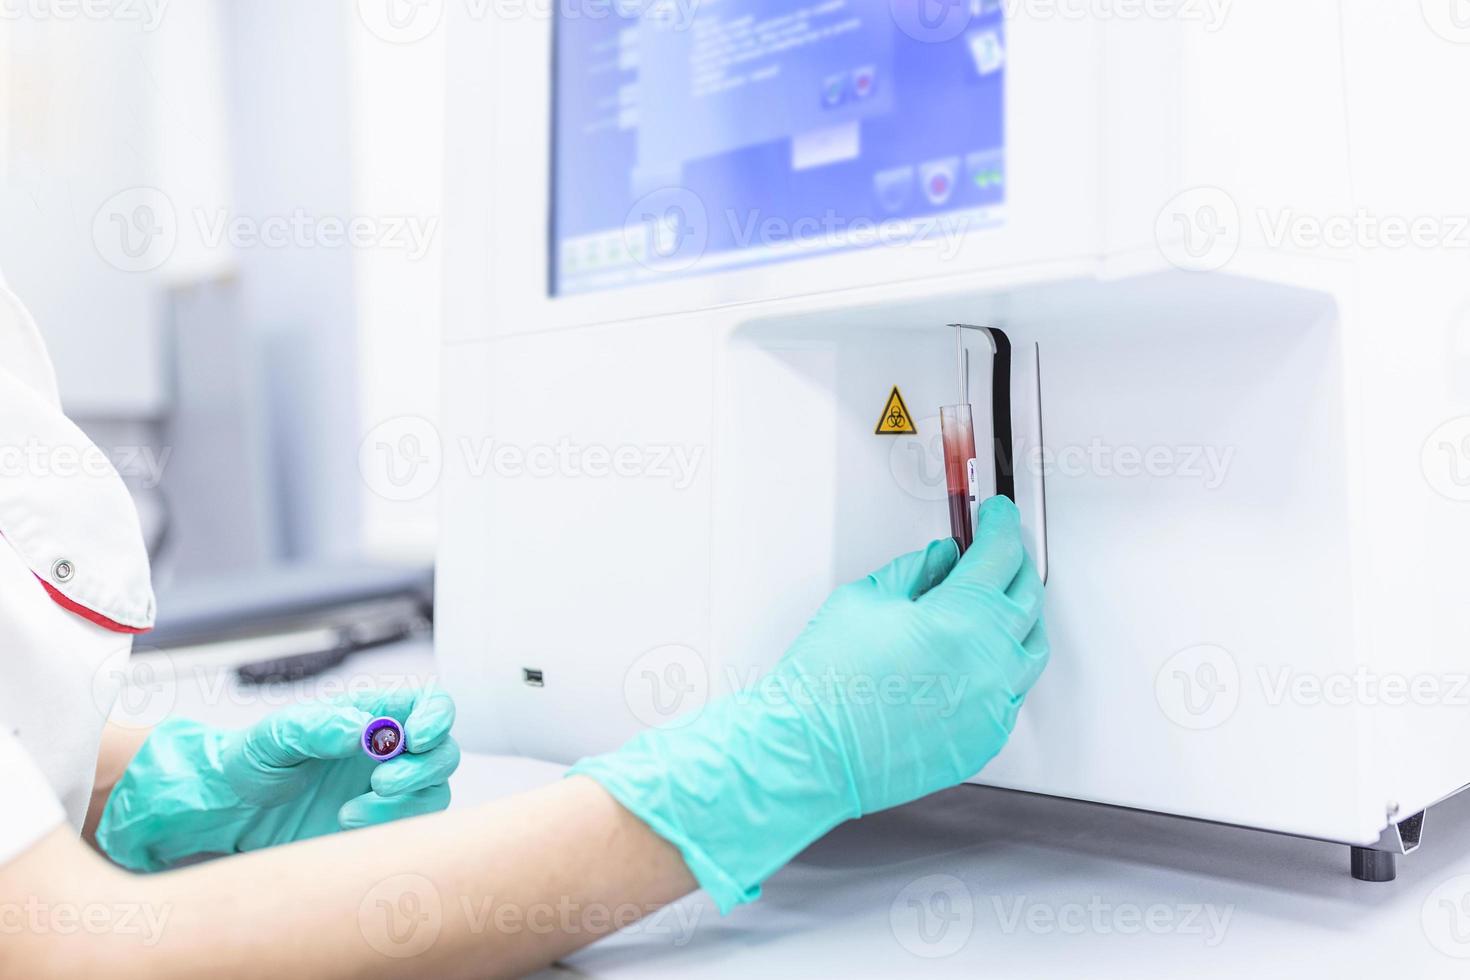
(74, 590)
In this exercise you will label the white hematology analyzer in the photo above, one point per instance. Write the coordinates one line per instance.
(1196, 274)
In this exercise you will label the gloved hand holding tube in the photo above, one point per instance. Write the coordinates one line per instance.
(753, 780)
(300, 773)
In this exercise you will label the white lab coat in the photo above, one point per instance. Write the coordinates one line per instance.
(74, 590)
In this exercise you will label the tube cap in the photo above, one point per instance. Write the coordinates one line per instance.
(383, 739)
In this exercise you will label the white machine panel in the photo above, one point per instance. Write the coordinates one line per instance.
(1238, 453)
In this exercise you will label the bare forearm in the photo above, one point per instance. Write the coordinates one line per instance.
(491, 891)
(119, 746)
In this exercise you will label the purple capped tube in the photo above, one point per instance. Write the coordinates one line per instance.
(383, 739)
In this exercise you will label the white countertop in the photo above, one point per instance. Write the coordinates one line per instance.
(1012, 885)
(976, 882)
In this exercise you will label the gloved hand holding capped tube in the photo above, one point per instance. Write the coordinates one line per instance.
(303, 772)
(951, 644)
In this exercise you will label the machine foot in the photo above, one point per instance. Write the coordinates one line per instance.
(1374, 865)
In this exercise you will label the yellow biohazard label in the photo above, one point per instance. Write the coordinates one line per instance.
(895, 420)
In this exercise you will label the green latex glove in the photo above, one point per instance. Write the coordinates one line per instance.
(905, 683)
(299, 773)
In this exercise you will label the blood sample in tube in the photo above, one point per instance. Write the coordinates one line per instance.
(383, 739)
(957, 427)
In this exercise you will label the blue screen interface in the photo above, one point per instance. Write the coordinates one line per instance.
(694, 136)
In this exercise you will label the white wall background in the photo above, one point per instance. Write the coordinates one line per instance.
(398, 144)
(93, 108)
(255, 111)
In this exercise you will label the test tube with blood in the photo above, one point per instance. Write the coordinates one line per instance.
(957, 429)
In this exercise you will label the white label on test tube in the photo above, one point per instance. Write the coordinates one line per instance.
(974, 481)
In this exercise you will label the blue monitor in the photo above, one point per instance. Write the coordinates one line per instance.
(694, 136)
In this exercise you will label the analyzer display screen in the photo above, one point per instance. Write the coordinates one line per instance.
(699, 135)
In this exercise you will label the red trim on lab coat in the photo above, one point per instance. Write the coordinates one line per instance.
(90, 615)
